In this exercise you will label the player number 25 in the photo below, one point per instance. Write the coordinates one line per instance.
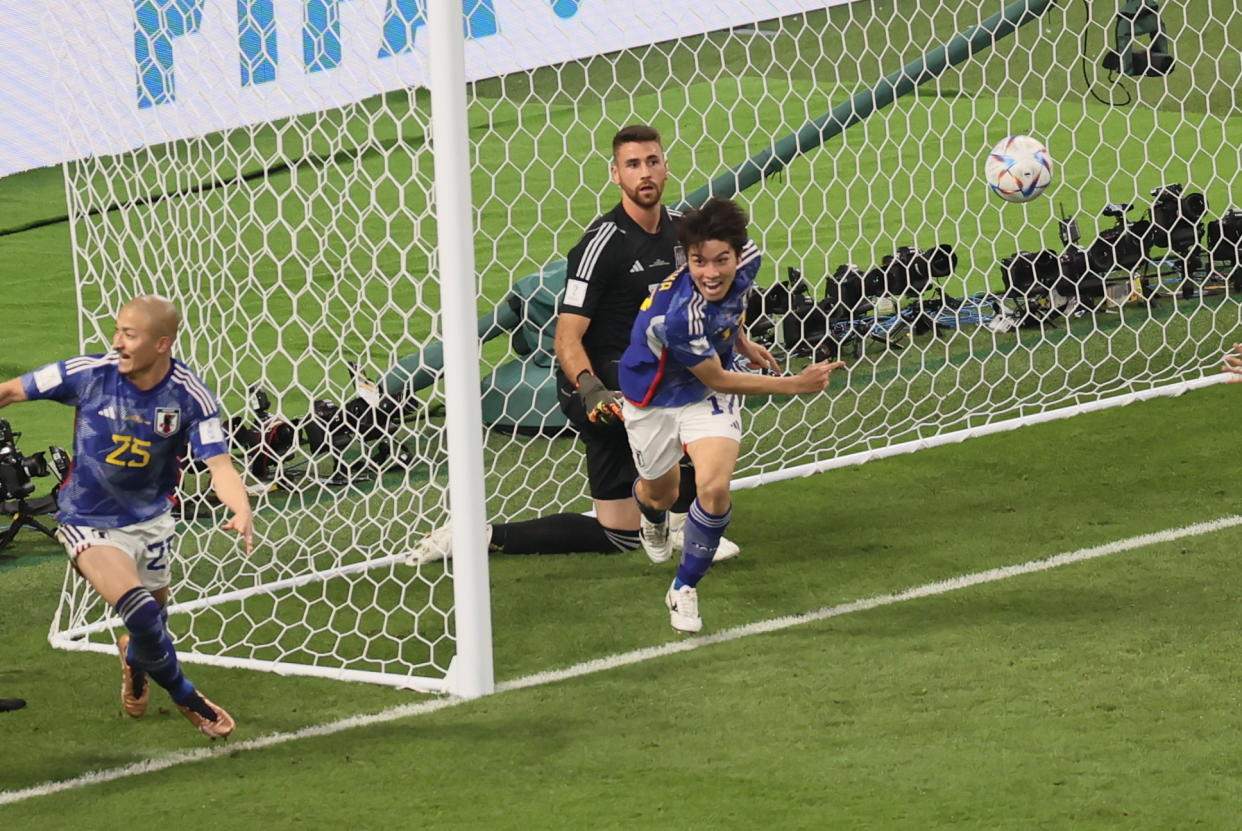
(129, 452)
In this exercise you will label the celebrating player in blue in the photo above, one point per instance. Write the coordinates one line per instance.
(137, 410)
(679, 393)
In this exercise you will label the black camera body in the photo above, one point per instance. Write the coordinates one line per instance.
(1079, 279)
(1123, 251)
(1121, 247)
(763, 307)
(266, 442)
(803, 325)
(1224, 236)
(907, 272)
(16, 469)
(328, 430)
(1032, 277)
(1035, 274)
(845, 292)
(1176, 219)
(911, 270)
(1224, 242)
(824, 328)
(1030, 273)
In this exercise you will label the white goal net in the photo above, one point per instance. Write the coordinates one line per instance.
(268, 164)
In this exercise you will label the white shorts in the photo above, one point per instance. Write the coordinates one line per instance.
(658, 435)
(150, 543)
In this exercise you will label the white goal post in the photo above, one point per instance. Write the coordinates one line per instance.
(297, 176)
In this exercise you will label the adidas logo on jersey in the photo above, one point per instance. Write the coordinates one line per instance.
(637, 267)
(108, 412)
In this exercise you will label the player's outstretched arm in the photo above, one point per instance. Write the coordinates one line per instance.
(232, 492)
(1233, 364)
(813, 378)
(11, 392)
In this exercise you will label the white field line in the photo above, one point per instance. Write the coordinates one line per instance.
(623, 659)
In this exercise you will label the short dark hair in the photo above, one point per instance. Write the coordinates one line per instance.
(719, 219)
(640, 133)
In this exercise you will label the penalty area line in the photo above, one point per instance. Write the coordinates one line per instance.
(636, 656)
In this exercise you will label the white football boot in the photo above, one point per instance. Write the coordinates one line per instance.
(438, 545)
(683, 609)
(654, 537)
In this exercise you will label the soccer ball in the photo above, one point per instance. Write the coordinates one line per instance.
(1018, 169)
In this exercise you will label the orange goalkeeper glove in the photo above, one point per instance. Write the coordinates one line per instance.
(601, 404)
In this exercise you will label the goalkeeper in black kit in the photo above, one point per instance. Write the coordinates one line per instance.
(610, 272)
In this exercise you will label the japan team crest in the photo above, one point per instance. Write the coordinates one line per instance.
(167, 420)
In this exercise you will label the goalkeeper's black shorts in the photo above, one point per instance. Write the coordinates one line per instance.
(610, 467)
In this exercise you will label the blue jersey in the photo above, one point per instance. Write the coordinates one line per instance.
(127, 442)
(677, 329)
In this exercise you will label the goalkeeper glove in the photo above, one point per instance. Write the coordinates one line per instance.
(601, 404)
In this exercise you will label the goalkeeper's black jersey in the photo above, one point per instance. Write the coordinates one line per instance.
(611, 270)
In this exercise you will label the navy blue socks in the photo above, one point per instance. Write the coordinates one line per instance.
(703, 533)
(150, 648)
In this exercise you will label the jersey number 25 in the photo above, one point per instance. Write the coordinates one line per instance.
(129, 452)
